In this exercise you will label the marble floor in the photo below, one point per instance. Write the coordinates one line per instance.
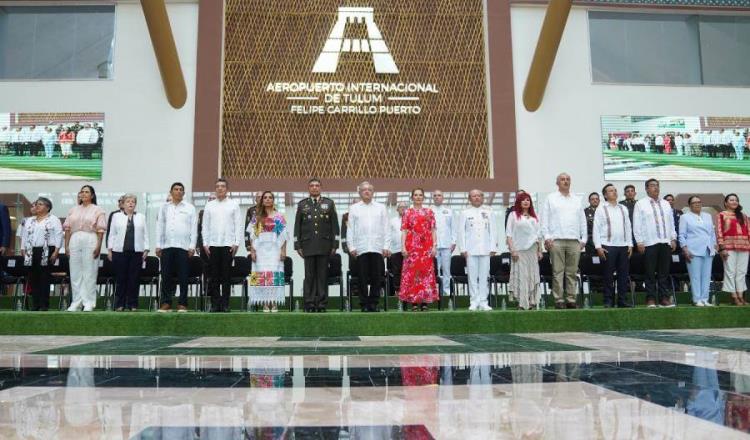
(676, 384)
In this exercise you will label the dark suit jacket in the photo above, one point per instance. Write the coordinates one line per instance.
(5, 233)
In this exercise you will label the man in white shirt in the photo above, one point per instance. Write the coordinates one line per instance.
(659, 144)
(654, 232)
(176, 234)
(14, 141)
(86, 139)
(24, 135)
(368, 244)
(477, 241)
(35, 140)
(714, 144)
(738, 142)
(727, 136)
(4, 140)
(396, 260)
(446, 239)
(679, 144)
(564, 230)
(613, 239)
(222, 234)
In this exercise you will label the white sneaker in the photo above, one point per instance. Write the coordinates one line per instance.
(88, 308)
(485, 308)
(74, 308)
(700, 304)
(708, 304)
(472, 308)
(651, 306)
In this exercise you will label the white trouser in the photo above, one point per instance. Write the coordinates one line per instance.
(444, 268)
(735, 269)
(478, 269)
(83, 269)
(66, 149)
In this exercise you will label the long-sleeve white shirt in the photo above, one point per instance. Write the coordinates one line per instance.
(477, 231)
(653, 222)
(727, 137)
(445, 229)
(368, 228)
(119, 227)
(394, 235)
(4, 136)
(563, 218)
(714, 138)
(222, 223)
(524, 232)
(36, 134)
(49, 230)
(612, 226)
(87, 136)
(176, 226)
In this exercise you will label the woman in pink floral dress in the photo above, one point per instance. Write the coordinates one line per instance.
(418, 285)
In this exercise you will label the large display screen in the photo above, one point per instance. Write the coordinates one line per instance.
(51, 146)
(350, 89)
(699, 148)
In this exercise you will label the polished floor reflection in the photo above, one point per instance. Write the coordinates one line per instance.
(634, 385)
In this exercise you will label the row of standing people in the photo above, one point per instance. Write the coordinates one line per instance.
(34, 140)
(422, 234)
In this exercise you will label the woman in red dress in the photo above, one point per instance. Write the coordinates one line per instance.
(418, 285)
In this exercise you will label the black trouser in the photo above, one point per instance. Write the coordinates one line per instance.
(220, 262)
(315, 288)
(395, 263)
(174, 263)
(371, 268)
(35, 148)
(127, 266)
(86, 150)
(39, 278)
(617, 261)
(657, 260)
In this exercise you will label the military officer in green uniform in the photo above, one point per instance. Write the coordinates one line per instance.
(316, 238)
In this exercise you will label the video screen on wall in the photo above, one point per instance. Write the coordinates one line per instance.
(51, 146)
(698, 148)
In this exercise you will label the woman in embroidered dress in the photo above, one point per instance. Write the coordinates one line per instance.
(41, 240)
(268, 235)
(524, 241)
(418, 286)
(734, 243)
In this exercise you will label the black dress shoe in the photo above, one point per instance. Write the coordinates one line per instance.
(559, 305)
(624, 306)
(607, 305)
(321, 309)
(571, 305)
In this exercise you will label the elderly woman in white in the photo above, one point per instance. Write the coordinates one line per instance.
(128, 248)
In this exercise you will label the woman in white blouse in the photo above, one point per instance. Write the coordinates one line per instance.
(41, 240)
(128, 248)
(524, 241)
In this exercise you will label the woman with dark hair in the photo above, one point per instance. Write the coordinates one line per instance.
(698, 240)
(41, 240)
(734, 244)
(84, 229)
(524, 240)
(268, 235)
(418, 244)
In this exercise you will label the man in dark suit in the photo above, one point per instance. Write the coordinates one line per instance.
(4, 230)
(677, 213)
(316, 238)
(249, 216)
